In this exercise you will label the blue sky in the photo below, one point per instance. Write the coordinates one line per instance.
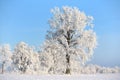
(27, 20)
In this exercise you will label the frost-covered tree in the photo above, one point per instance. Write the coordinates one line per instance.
(25, 59)
(52, 60)
(5, 56)
(73, 30)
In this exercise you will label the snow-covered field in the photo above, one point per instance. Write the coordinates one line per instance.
(61, 77)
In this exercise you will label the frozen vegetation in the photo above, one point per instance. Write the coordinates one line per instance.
(69, 43)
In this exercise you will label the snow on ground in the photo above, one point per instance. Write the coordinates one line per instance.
(61, 77)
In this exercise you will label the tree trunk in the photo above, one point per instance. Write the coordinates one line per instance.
(3, 67)
(68, 64)
(68, 71)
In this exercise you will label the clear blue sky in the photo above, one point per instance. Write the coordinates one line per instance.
(27, 20)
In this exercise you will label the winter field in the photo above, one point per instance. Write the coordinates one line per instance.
(61, 77)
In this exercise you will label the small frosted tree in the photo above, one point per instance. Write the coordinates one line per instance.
(52, 59)
(72, 29)
(25, 59)
(5, 56)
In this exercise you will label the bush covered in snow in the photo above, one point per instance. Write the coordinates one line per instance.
(25, 59)
(93, 69)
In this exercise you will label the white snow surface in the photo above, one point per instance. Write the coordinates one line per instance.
(60, 77)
